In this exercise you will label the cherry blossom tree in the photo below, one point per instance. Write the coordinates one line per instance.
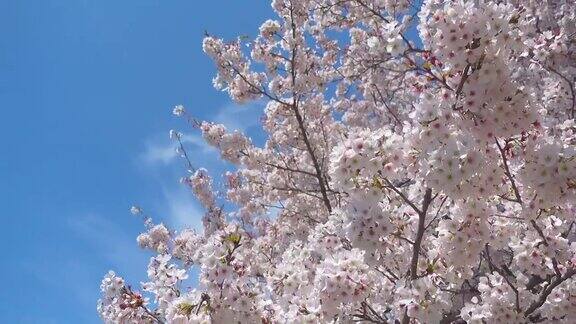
(404, 179)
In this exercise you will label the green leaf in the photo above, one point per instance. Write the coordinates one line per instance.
(234, 238)
(376, 183)
(185, 308)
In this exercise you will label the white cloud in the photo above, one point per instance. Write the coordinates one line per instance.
(114, 244)
(176, 205)
(240, 117)
(181, 208)
(162, 150)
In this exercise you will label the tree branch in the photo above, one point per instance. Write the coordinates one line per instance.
(504, 276)
(548, 290)
(418, 242)
(420, 233)
(300, 120)
(571, 86)
(508, 173)
(401, 194)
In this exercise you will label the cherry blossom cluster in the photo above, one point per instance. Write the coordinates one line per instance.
(341, 279)
(156, 238)
(549, 171)
(121, 305)
(230, 145)
(164, 278)
(365, 156)
(462, 238)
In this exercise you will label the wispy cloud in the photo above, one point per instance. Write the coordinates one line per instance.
(72, 271)
(162, 150)
(176, 205)
(159, 149)
(113, 243)
(67, 277)
(240, 117)
(181, 208)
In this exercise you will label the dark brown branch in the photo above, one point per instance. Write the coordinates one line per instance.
(403, 196)
(460, 86)
(493, 267)
(184, 153)
(386, 20)
(571, 86)
(545, 241)
(420, 233)
(313, 157)
(508, 173)
(418, 242)
(300, 120)
(548, 290)
(437, 212)
(155, 317)
(294, 106)
(285, 168)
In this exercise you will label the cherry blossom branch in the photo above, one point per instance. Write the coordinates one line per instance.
(508, 173)
(429, 72)
(289, 189)
(285, 168)
(184, 153)
(547, 291)
(503, 275)
(388, 274)
(427, 200)
(203, 298)
(386, 20)
(460, 86)
(420, 233)
(313, 157)
(571, 86)
(138, 302)
(256, 88)
(300, 120)
(535, 281)
(155, 317)
(545, 241)
(400, 237)
(403, 196)
(437, 212)
(280, 167)
(301, 127)
(380, 318)
(397, 121)
(567, 232)
(367, 315)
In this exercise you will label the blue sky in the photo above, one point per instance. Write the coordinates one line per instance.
(86, 92)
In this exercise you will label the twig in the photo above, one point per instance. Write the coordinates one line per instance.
(571, 86)
(508, 173)
(547, 291)
(503, 275)
(418, 242)
(401, 194)
(420, 233)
